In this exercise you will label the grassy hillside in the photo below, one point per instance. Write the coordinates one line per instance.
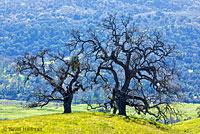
(81, 123)
(95, 123)
(189, 126)
(51, 120)
(10, 109)
(187, 111)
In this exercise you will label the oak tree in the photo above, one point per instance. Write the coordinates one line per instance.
(135, 65)
(60, 73)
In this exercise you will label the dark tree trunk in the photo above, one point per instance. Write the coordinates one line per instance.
(122, 96)
(67, 103)
(122, 105)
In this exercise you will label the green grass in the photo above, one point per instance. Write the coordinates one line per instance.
(17, 111)
(10, 111)
(189, 126)
(95, 123)
(84, 123)
(50, 119)
(187, 111)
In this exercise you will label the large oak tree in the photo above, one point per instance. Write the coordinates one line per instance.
(135, 65)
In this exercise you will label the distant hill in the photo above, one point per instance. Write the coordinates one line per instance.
(28, 26)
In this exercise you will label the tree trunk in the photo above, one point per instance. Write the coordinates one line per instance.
(67, 103)
(122, 96)
(122, 105)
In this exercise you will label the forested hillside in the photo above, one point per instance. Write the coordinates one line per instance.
(27, 26)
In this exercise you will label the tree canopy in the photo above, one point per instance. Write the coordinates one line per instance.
(136, 66)
(61, 73)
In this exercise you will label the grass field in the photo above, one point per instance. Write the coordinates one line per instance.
(83, 123)
(187, 110)
(189, 126)
(50, 119)
(94, 123)
(10, 109)
(15, 110)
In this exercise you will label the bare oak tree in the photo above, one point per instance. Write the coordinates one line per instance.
(60, 72)
(136, 66)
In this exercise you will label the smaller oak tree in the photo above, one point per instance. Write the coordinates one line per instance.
(60, 72)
